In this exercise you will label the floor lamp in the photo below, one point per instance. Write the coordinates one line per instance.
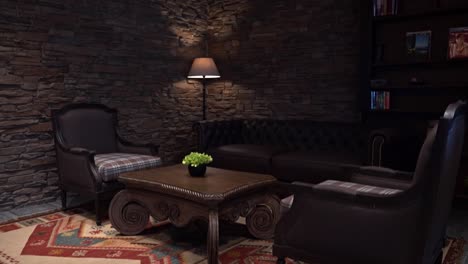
(203, 68)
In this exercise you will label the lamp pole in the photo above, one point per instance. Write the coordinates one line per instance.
(203, 68)
(204, 97)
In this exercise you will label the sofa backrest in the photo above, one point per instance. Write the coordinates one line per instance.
(306, 135)
(215, 133)
(395, 146)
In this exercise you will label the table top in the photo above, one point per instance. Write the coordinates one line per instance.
(216, 185)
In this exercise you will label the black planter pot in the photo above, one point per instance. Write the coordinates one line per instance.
(198, 171)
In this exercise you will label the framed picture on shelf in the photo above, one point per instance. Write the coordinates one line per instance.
(458, 43)
(418, 45)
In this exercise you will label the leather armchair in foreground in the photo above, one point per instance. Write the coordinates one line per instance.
(91, 154)
(374, 217)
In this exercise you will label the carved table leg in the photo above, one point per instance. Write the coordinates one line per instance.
(261, 221)
(213, 237)
(127, 216)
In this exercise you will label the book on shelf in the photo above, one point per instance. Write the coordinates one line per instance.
(380, 100)
(385, 7)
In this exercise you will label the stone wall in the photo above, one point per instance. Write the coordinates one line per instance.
(279, 59)
(285, 59)
(130, 55)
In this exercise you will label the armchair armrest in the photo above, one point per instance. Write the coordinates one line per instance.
(316, 213)
(80, 151)
(135, 148)
(77, 168)
(381, 177)
(382, 172)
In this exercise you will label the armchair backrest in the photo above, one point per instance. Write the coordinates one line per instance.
(436, 172)
(448, 147)
(89, 126)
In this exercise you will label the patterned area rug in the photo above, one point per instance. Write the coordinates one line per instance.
(72, 237)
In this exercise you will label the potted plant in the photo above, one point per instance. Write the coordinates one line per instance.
(197, 163)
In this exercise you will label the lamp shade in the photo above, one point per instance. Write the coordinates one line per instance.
(203, 68)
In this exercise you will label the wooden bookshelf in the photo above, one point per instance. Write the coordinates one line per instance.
(425, 88)
(404, 114)
(420, 89)
(436, 75)
(423, 64)
(424, 14)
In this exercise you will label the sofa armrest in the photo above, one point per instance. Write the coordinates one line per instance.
(216, 133)
(396, 147)
(126, 146)
(376, 144)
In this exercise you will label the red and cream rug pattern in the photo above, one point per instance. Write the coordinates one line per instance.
(72, 237)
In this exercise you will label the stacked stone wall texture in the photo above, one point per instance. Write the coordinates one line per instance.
(278, 59)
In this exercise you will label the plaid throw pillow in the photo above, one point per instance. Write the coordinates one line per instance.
(111, 165)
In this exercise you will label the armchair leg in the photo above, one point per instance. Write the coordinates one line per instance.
(281, 261)
(63, 195)
(98, 211)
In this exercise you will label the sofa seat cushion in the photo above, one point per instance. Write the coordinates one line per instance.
(244, 157)
(111, 165)
(312, 167)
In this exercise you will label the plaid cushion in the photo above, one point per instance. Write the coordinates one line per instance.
(112, 164)
(355, 188)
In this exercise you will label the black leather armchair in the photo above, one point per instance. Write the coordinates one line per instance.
(84, 134)
(378, 215)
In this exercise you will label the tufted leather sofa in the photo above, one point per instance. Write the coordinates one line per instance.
(296, 150)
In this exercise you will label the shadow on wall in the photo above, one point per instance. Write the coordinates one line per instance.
(129, 55)
(285, 59)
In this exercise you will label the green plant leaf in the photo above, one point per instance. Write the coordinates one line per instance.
(195, 159)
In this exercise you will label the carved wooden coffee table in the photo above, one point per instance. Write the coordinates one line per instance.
(170, 193)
